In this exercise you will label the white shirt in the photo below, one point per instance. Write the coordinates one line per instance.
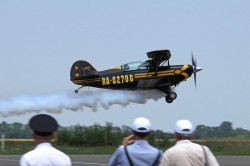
(187, 153)
(45, 155)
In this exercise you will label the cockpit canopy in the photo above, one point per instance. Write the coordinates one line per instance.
(138, 65)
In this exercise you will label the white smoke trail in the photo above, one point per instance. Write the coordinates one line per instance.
(57, 103)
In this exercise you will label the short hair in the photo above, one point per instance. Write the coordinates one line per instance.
(183, 136)
(141, 134)
(43, 137)
(43, 133)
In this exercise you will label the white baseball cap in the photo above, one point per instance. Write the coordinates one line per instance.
(141, 125)
(183, 127)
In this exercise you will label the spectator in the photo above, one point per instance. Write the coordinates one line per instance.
(135, 149)
(44, 154)
(185, 152)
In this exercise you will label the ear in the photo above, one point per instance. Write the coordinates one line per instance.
(33, 135)
(175, 136)
(53, 136)
(132, 132)
(193, 134)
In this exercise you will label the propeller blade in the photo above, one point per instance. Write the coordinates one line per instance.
(195, 68)
(192, 55)
(195, 80)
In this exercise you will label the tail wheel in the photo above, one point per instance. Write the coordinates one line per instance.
(77, 90)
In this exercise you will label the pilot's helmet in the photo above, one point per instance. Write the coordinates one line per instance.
(126, 67)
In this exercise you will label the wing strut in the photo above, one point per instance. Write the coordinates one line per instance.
(158, 64)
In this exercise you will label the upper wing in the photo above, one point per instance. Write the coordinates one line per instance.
(159, 55)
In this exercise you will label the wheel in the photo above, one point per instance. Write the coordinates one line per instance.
(168, 100)
(172, 95)
(76, 91)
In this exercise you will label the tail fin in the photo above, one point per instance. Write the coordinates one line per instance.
(81, 70)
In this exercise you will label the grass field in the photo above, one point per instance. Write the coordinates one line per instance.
(236, 147)
(20, 146)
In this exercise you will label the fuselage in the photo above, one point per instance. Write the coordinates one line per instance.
(154, 73)
(137, 79)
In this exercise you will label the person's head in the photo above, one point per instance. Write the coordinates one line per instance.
(43, 127)
(141, 127)
(183, 130)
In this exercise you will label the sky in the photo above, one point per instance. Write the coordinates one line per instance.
(40, 40)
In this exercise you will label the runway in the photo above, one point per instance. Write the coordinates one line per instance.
(102, 160)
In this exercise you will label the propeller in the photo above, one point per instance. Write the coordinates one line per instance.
(195, 68)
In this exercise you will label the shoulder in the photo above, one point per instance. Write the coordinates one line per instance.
(207, 150)
(60, 153)
(29, 154)
(46, 152)
(116, 158)
(169, 151)
(157, 150)
(119, 150)
(210, 156)
(25, 158)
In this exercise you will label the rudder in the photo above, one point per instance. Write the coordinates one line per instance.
(81, 70)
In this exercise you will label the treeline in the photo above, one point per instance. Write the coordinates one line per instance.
(225, 130)
(110, 135)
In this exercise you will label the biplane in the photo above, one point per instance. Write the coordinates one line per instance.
(155, 73)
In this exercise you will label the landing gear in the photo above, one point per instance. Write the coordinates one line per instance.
(77, 90)
(171, 96)
(168, 100)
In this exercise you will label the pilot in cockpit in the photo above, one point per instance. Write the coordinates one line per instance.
(126, 67)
